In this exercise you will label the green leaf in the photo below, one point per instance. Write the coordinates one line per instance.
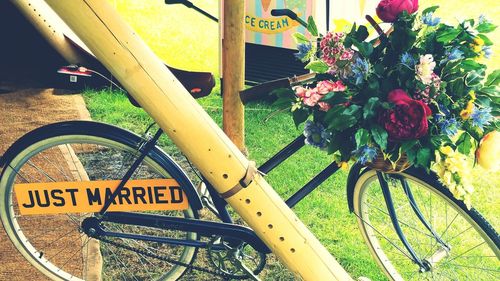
(424, 157)
(362, 33)
(344, 118)
(370, 107)
(410, 148)
(492, 91)
(380, 136)
(464, 143)
(317, 66)
(450, 66)
(335, 98)
(333, 113)
(470, 64)
(283, 93)
(457, 87)
(342, 122)
(362, 137)
(300, 38)
(473, 79)
(486, 40)
(335, 142)
(486, 27)
(448, 35)
(311, 26)
(364, 48)
(430, 10)
(299, 116)
(493, 79)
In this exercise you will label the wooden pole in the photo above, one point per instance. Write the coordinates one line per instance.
(233, 70)
(157, 90)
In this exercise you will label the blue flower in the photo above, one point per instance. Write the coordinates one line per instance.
(454, 54)
(448, 126)
(316, 135)
(365, 154)
(427, 19)
(304, 50)
(488, 52)
(481, 117)
(360, 70)
(483, 19)
(408, 60)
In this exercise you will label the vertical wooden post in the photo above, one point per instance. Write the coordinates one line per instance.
(233, 70)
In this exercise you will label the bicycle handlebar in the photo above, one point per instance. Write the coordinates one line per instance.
(262, 91)
(284, 12)
(288, 13)
(184, 2)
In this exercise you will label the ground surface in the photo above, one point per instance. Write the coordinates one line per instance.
(22, 110)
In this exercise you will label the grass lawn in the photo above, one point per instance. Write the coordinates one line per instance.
(175, 35)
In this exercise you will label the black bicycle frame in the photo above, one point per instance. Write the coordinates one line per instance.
(234, 233)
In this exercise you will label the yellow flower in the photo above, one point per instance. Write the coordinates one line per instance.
(472, 95)
(446, 150)
(478, 41)
(466, 113)
(478, 44)
(344, 166)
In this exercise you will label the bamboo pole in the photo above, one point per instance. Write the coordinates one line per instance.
(233, 70)
(197, 135)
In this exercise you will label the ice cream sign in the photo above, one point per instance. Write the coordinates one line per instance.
(263, 28)
(270, 26)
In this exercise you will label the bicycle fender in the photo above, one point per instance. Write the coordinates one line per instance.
(113, 133)
(352, 178)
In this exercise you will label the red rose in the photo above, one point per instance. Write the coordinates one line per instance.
(388, 10)
(407, 120)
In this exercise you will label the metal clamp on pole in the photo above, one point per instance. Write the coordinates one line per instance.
(243, 182)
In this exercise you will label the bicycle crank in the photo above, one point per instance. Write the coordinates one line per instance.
(240, 262)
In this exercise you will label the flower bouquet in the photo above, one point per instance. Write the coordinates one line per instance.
(416, 95)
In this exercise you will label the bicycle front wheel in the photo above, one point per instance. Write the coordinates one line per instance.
(55, 243)
(461, 246)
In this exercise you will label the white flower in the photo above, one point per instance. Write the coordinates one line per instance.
(425, 69)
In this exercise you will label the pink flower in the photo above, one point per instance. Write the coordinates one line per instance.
(324, 106)
(300, 92)
(389, 10)
(324, 87)
(347, 54)
(312, 97)
(332, 48)
(424, 95)
(338, 86)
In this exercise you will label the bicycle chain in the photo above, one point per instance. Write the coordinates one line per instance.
(169, 260)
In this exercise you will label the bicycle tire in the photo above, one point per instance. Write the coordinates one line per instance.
(466, 260)
(104, 152)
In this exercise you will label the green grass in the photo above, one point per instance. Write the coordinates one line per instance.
(174, 33)
(325, 211)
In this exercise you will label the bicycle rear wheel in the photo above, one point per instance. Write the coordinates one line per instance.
(55, 243)
(473, 243)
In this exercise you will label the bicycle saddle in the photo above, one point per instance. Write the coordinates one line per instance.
(199, 84)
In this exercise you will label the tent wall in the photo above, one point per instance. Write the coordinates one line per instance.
(25, 56)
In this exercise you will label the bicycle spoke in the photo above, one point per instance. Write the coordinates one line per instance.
(383, 236)
(403, 223)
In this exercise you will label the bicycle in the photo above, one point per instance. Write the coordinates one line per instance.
(167, 242)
